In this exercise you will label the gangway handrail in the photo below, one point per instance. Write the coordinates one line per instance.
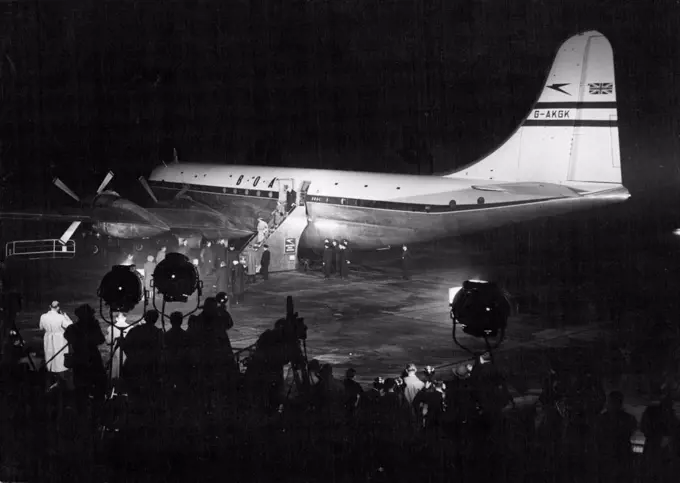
(40, 248)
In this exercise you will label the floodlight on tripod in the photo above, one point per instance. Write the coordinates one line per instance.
(176, 278)
(481, 309)
(121, 289)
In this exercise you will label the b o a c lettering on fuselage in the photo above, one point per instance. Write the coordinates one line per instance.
(551, 114)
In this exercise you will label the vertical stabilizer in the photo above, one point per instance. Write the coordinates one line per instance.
(571, 134)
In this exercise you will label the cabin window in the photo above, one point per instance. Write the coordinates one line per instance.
(257, 180)
(240, 178)
(398, 187)
(480, 200)
(247, 192)
(365, 186)
(271, 184)
(336, 184)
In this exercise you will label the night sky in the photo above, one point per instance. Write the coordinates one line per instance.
(89, 86)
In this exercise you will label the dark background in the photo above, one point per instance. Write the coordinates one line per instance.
(89, 86)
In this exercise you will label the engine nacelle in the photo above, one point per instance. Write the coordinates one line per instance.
(150, 225)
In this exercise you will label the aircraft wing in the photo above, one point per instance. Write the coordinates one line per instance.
(67, 215)
(211, 224)
(546, 190)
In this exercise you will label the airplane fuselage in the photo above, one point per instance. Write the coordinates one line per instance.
(373, 210)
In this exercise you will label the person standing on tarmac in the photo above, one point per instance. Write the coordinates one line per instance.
(264, 262)
(232, 255)
(405, 263)
(222, 280)
(208, 258)
(251, 264)
(160, 256)
(336, 256)
(344, 259)
(327, 258)
(149, 267)
(238, 281)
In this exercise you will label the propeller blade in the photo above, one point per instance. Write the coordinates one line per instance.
(147, 188)
(60, 184)
(69, 232)
(107, 180)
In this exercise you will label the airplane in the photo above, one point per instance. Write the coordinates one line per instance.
(563, 157)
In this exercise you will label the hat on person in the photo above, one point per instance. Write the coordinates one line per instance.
(265, 245)
(54, 305)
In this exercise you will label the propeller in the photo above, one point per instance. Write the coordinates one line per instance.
(147, 188)
(102, 186)
(62, 186)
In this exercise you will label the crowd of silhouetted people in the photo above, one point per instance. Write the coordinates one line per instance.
(179, 403)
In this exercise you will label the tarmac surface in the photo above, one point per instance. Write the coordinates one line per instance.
(559, 273)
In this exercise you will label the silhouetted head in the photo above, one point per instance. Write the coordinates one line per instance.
(210, 306)
(351, 373)
(84, 312)
(176, 319)
(390, 384)
(151, 317)
(266, 247)
(314, 366)
(378, 383)
(615, 401)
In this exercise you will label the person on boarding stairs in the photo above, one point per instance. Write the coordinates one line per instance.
(238, 281)
(262, 230)
(291, 199)
(54, 322)
(278, 214)
(405, 263)
(149, 267)
(183, 247)
(327, 259)
(264, 262)
(251, 264)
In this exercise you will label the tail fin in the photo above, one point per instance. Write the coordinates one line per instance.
(571, 134)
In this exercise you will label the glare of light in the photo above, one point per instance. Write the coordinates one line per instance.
(326, 224)
(452, 293)
(478, 281)
(676, 232)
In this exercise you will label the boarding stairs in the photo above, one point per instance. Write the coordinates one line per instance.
(282, 239)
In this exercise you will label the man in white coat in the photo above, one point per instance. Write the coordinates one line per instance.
(54, 323)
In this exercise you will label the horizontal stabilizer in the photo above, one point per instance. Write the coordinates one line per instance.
(548, 190)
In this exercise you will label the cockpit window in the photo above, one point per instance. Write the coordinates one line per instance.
(257, 180)
(240, 178)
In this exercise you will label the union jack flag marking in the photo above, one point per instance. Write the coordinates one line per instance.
(598, 88)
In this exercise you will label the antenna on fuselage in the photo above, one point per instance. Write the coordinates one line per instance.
(175, 158)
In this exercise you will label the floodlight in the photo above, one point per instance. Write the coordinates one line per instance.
(176, 278)
(480, 308)
(121, 288)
